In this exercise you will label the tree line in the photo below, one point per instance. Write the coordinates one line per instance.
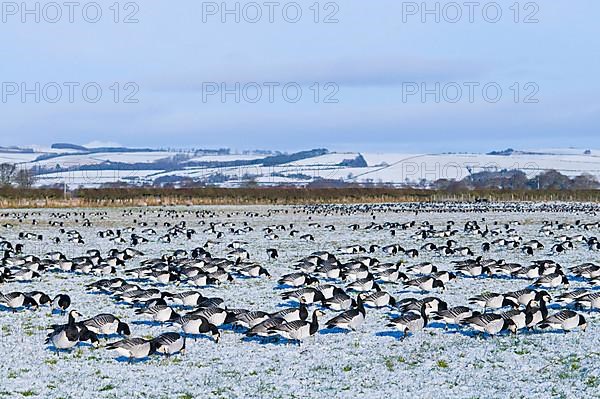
(518, 180)
(10, 175)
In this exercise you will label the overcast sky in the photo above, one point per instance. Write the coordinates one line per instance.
(362, 78)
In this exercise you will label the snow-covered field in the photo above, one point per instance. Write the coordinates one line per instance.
(373, 362)
(390, 168)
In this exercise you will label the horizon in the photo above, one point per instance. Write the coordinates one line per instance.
(41, 147)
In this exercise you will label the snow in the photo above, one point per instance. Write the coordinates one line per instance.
(333, 158)
(393, 168)
(93, 178)
(371, 362)
(69, 161)
(227, 158)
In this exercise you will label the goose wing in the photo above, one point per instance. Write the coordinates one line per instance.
(560, 317)
(343, 318)
(290, 327)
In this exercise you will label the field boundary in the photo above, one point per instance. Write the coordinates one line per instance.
(127, 197)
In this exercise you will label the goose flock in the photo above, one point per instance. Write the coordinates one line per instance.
(154, 281)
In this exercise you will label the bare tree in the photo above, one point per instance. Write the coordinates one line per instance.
(24, 178)
(7, 171)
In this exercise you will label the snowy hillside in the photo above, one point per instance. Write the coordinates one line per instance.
(92, 167)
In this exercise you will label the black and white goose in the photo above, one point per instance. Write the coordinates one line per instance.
(272, 253)
(159, 313)
(61, 302)
(423, 268)
(517, 316)
(525, 296)
(299, 329)
(133, 348)
(106, 324)
(339, 301)
(552, 281)
(535, 312)
(490, 323)
(307, 295)
(411, 321)
(248, 319)
(66, 336)
(363, 284)
(350, 319)
(426, 283)
(40, 297)
(453, 315)
(292, 314)
(266, 328)
(16, 300)
(379, 299)
(571, 296)
(188, 298)
(492, 300)
(298, 279)
(414, 304)
(590, 300)
(169, 343)
(196, 324)
(566, 320)
(254, 270)
(214, 315)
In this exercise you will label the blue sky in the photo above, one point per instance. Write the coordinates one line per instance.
(370, 58)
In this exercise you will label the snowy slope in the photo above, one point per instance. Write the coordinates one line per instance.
(391, 168)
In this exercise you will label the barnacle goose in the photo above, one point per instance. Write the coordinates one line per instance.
(426, 283)
(291, 314)
(169, 343)
(266, 328)
(453, 315)
(133, 348)
(187, 298)
(413, 304)
(364, 284)
(272, 253)
(214, 315)
(40, 297)
(298, 329)
(195, 324)
(307, 295)
(518, 316)
(248, 319)
(571, 296)
(339, 301)
(552, 281)
(106, 324)
(297, 279)
(61, 302)
(566, 320)
(590, 300)
(525, 296)
(379, 299)
(66, 336)
(535, 312)
(15, 300)
(350, 319)
(494, 300)
(411, 321)
(490, 323)
(159, 313)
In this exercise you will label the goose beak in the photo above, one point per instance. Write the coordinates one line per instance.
(583, 327)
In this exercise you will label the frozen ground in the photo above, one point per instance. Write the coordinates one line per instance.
(370, 363)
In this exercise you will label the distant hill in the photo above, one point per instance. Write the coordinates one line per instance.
(79, 165)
